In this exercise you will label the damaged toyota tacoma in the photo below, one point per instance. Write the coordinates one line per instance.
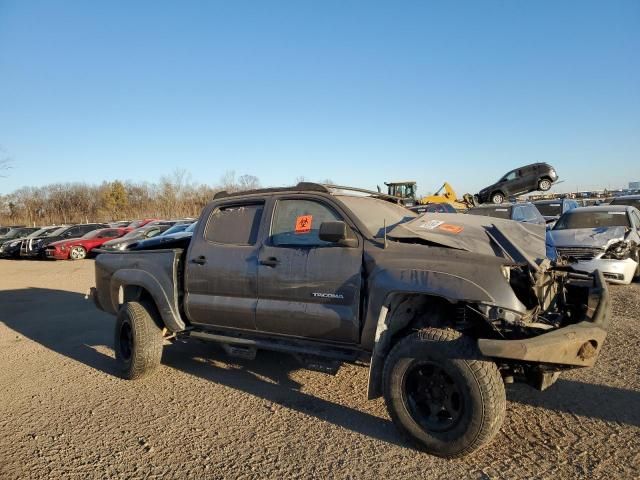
(445, 308)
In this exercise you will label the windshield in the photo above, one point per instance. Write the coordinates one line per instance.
(495, 212)
(93, 234)
(374, 212)
(135, 233)
(176, 228)
(549, 209)
(138, 224)
(586, 219)
(191, 227)
(57, 231)
(633, 202)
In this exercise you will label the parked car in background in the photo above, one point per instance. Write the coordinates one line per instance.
(631, 200)
(11, 248)
(537, 176)
(169, 239)
(605, 238)
(35, 247)
(18, 232)
(140, 223)
(80, 248)
(120, 224)
(134, 236)
(520, 212)
(434, 208)
(552, 209)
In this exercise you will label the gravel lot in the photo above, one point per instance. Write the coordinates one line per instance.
(63, 413)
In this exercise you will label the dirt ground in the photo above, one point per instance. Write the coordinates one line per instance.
(64, 414)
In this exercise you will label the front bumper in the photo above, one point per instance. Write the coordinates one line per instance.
(55, 254)
(614, 271)
(576, 345)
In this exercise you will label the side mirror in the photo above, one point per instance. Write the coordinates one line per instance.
(337, 232)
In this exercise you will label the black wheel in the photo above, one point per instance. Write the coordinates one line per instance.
(441, 394)
(544, 184)
(497, 197)
(138, 341)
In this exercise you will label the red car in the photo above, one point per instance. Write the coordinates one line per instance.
(79, 248)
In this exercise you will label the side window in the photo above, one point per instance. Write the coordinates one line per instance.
(152, 232)
(518, 214)
(535, 214)
(73, 232)
(510, 176)
(297, 222)
(235, 224)
(110, 234)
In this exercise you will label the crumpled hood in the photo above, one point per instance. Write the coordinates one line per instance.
(588, 237)
(472, 233)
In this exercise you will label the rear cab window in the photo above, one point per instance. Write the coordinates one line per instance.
(236, 224)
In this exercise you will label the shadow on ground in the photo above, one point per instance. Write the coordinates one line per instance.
(68, 324)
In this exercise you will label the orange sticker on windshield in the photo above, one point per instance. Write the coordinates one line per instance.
(447, 227)
(303, 224)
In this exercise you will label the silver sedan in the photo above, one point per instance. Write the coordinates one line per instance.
(605, 238)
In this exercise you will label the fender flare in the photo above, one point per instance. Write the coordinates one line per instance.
(384, 329)
(168, 309)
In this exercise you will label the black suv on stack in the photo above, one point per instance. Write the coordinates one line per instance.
(537, 176)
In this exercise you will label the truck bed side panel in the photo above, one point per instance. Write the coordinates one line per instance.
(123, 276)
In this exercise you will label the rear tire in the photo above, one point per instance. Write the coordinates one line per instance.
(138, 341)
(497, 197)
(441, 394)
(544, 184)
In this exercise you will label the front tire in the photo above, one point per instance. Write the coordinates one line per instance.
(138, 341)
(78, 253)
(497, 197)
(544, 184)
(441, 394)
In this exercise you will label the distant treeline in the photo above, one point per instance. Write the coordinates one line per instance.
(172, 196)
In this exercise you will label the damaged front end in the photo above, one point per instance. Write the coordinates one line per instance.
(563, 327)
(541, 318)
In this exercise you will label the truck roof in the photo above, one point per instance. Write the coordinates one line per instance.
(310, 187)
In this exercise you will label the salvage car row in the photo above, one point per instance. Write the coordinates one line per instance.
(76, 242)
(604, 237)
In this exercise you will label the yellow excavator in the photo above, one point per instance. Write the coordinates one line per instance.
(406, 191)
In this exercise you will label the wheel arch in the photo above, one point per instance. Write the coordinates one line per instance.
(138, 285)
(401, 314)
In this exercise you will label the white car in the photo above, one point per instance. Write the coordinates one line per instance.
(605, 238)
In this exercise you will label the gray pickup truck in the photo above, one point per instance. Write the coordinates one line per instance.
(445, 308)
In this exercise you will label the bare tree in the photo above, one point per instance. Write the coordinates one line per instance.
(248, 182)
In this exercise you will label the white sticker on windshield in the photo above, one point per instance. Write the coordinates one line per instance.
(616, 213)
(431, 224)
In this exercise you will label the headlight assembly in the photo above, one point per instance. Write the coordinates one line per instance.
(618, 251)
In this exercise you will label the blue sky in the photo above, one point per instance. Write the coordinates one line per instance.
(358, 92)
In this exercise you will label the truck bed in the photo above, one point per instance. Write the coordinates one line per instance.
(153, 273)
